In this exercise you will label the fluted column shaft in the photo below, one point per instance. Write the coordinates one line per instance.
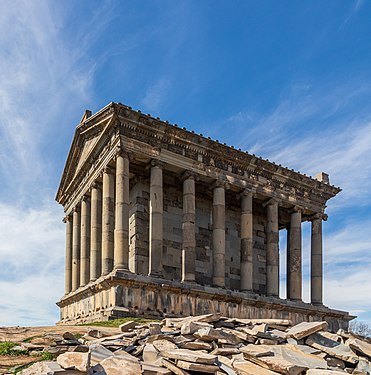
(272, 249)
(219, 236)
(246, 242)
(316, 262)
(156, 221)
(68, 283)
(85, 241)
(76, 249)
(188, 225)
(108, 221)
(295, 257)
(96, 232)
(121, 249)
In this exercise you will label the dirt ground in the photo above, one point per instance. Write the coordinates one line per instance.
(35, 336)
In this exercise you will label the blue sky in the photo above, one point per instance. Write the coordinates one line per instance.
(287, 80)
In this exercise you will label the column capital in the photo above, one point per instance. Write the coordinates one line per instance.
(189, 175)
(247, 193)
(271, 202)
(318, 216)
(220, 184)
(67, 218)
(95, 185)
(156, 163)
(85, 198)
(297, 209)
(123, 153)
(107, 169)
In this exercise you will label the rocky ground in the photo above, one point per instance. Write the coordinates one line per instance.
(207, 344)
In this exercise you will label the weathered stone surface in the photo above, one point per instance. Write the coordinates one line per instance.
(248, 368)
(151, 354)
(305, 329)
(148, 369)
(125, 327)
(324, 372)
(199, 367)
(197, 345)
(190, 328)
(195, 356)
(360, 346)
(332, 348)
(172, 367)
(162, 345)
(98, 353)
(74, 361)
(363, 367)
(120, 366)
(47, 368)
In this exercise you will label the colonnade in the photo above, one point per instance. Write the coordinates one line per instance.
(97, 235)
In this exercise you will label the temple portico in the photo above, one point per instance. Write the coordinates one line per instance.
(155, 214)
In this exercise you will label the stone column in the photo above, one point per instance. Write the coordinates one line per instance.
(85, 241)
(219, 235)
(155, 220)
(288, 261)
(295, 257)
(188, 225)
(121, 249)
(108, 221)
(96, 232)
(246, 241)
(316, 260)
(76, 249)
(68, 284)
(273, 257)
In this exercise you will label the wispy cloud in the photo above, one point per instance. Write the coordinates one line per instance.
(155, 95)
(45, 76)
(31, 254)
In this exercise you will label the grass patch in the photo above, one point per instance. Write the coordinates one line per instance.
(7, 348)
(46, 356)
(118, 322)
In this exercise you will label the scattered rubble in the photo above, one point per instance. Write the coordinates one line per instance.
(207, 344)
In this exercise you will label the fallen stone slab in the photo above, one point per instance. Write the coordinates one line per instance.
(197, 345)
(248, 368)
(360, 346)
(285, 358)
(162, 345)
(48, 368)
(194, 356)
(172, 367)
(363, 367)
(200, 367)
(325, 372)
(74, 361)
(151, 355)
(98, 353)
(225, 351)
(305, 329)
(189, 328)
(148, 369)
(332, 348)
(125, 327)
(120, 366)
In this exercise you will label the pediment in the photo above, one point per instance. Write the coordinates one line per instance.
(88, 137)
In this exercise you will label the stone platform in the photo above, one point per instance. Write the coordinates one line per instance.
(122, 294)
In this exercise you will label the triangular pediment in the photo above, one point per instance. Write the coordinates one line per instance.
(87, 138)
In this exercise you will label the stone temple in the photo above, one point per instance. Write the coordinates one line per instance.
(161, 221)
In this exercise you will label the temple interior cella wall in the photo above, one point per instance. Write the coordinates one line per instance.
(164, 222)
